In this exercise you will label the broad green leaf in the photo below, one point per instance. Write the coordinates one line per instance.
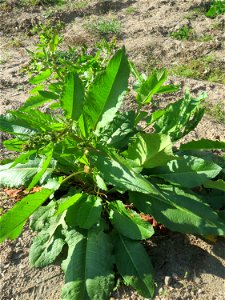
(118, 132)
(180, 117)
(85, 212)
(21, 174)
(134, 265)
(41, 77)
(48, 95)
(179, 211)
(43, 167)
(14, 233)
(48, 244)
(219, 184)
(100, 182)
(23, 158)
(34, 101)
(141, 115)
(53, 183)
(14, 144)
(17, 216)
(171, 88)
(188, 171)
(40, 121)
(89, 266)
(155, 116)
(203, 144)
(69, 202)
(46, 247)
(128, 222)
(18, 176)
(215, 199)
(72, 99)
(150, 150)
(106, 93)
(136, 73)
(40, 218)
(36, 89)
(120, 176)
(151, 86)
(13, 124)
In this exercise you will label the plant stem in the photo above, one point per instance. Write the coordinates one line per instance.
(71, 175)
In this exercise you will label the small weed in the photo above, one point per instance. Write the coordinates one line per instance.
(194, 13)
(219, 25)
(204, 68)
(184, 33)
(65, 6)
(104, 27)
(130, 10)
(78, 4)
(3, 61)
(216, 8)
(205, 38)
(40, 2)
(15, 43)
(50, 63)
(216, 111)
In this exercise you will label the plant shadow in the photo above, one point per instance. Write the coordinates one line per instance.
(99, 8)
(184, 258)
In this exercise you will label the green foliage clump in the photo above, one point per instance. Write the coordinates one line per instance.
(184, 33)
(40, 2)
(217, 111)
(50, 63)
(104, 26)
(98, 172)
(205, 68)
(217, 7)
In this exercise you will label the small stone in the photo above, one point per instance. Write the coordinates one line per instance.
(167, 280)
(175, 276)
(199, 291)
(197, 280)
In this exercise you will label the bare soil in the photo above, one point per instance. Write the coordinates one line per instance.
(186, 266)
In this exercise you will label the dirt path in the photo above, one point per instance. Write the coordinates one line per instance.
(186, 267)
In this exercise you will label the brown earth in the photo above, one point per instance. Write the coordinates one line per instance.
(186, 267)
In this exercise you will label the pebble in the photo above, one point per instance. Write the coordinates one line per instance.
(197, 280)
(199, 292)
(175, 276)
(167, 280)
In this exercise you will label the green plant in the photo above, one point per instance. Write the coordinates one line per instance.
(219, 25)
(194, 13)
(217, 111)
(15, 43)
(3, 61)
(184, 33)
(62, 6)
(78, 4)
(130, 10)
(104, 26)
(100, 175)
(217, 7)
(50, 64)
(205, 68)
(40, 2)
(205, 38)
